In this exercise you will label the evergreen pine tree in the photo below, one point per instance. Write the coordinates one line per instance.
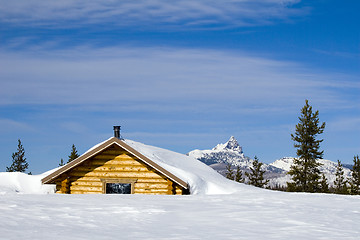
(324, 184)
(256, 175)
(340, 182)
(74, 154)
(19, 163)
(238, 175)
(61, 162)
(305, 169)
(355, 176)
(229, 172)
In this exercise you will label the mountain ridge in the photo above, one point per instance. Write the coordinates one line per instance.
(232, 153)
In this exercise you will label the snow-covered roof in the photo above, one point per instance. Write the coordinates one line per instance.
(201, 178)
(184, 170)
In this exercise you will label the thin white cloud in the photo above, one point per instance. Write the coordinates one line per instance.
(147, 12)
(9, 125)
(173, 76)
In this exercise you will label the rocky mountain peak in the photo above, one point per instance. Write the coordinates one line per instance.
(232, 144)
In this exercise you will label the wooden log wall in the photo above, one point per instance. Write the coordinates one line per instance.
(114, 164)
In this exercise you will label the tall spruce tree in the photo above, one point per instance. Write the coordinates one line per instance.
(305, 169)
(340, 186)
(19, 163)
(74, 154)
(229, 172)
(239, 175)
(256, 175)
(355, 176)
(324, 184)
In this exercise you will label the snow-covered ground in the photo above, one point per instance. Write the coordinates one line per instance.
(218, 209)
(248, 213)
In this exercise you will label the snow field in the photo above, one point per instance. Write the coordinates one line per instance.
(249, 214)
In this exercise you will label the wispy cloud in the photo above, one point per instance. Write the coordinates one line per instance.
(9, 125)
(145, 12)
(203, 77)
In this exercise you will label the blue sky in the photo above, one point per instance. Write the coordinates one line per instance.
(179, 75)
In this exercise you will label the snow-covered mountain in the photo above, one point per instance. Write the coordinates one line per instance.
(231, 152)
(327, 167)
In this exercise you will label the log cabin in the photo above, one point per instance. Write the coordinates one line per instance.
(114, 167)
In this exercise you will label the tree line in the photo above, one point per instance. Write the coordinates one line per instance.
(20, 164)
(305, 171)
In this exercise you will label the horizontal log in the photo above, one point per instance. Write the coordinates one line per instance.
(138, 179)
(104, 157)
(59, 192)
(85, 179)
(152, 191)
(108, 156)
(87, 184)
(115, 161)
(86, 192)
(151, 180)
(151, 185)
(109, 168)
(113, 152)
(116, 174)
(86, 189)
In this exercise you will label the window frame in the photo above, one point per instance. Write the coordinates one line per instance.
(118, 180)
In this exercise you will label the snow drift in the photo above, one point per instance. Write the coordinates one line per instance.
(17, 182)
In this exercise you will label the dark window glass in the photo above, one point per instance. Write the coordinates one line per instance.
(118, 188)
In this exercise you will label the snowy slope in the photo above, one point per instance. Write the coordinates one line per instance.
(251, 214)
(16, 182)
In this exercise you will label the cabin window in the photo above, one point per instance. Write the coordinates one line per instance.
(118, 186)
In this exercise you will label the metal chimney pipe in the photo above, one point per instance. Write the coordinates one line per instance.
(117, 132)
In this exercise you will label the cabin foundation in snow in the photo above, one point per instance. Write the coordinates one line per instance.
(113, 167)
